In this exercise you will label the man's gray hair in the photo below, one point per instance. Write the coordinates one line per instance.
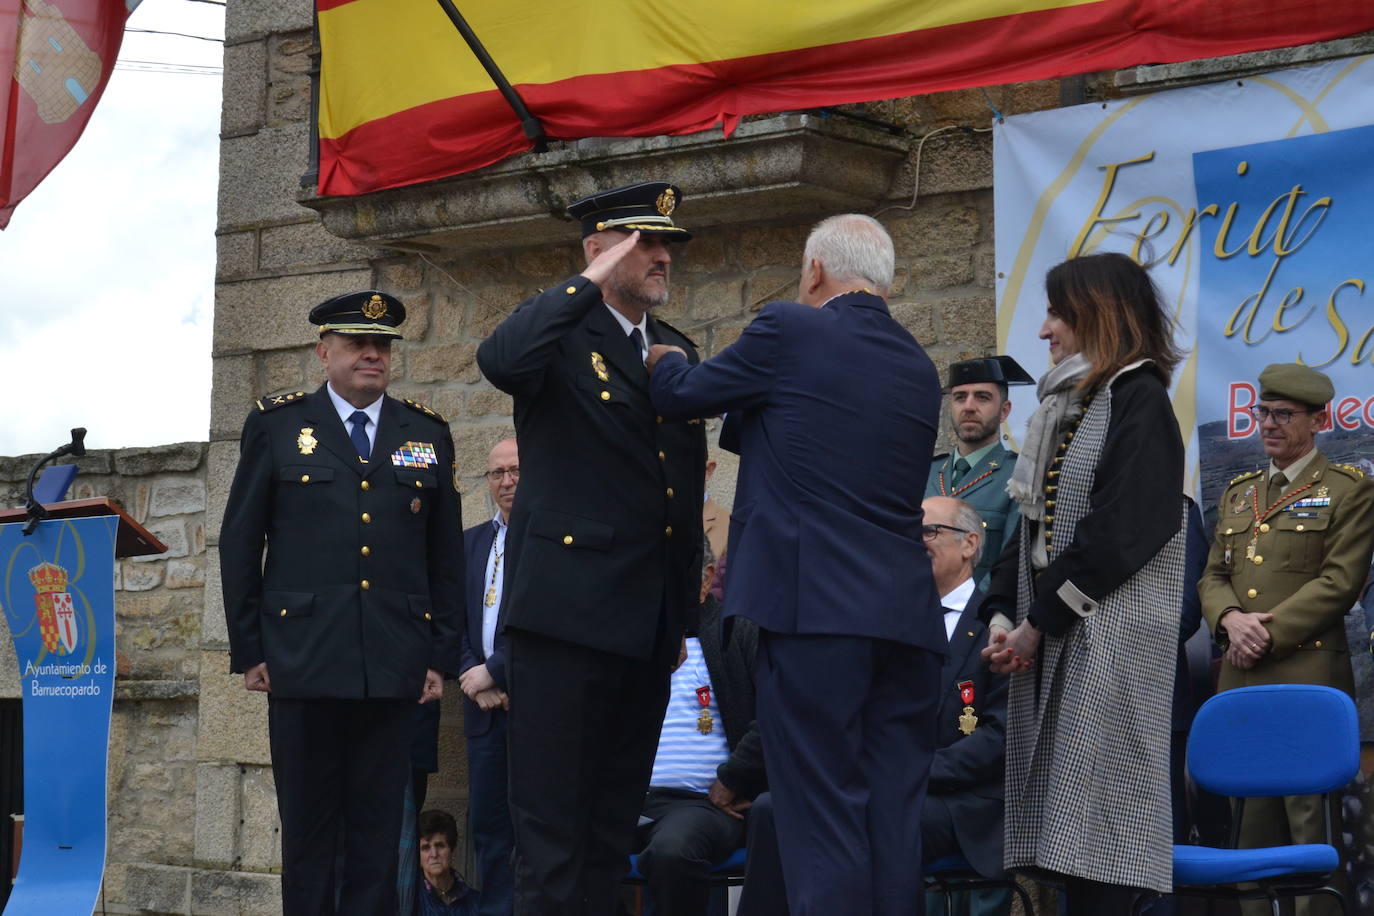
(967, 518)
(853, 247)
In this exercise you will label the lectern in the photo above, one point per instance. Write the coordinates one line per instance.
(57, 594)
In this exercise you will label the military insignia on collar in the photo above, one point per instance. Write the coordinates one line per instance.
(415, 455)
(374, 308)
(666, 203)
(306, 441)
(1241, 501)
(1322, 492)
(279, 400)
(599, 367)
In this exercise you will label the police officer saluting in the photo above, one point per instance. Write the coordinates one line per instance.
(1292, 547)
(603, 550)
(356, 613)
(978, 470)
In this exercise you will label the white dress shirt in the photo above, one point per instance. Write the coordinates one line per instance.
(954, 604)
(493, 581)
(345, 409)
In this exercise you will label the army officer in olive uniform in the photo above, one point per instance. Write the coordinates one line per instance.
(604, 551)
(357, 611)
(1292, 546)
(978, 470)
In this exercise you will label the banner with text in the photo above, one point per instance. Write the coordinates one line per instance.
(58, 600)
(1247, 199)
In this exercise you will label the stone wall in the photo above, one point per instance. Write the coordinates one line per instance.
(158, 605)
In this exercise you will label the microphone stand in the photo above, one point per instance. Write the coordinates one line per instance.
(35, 510)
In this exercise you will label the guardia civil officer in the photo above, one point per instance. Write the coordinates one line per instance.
(604, 550)
(1292, 547)
(977, 404)
(356, 612)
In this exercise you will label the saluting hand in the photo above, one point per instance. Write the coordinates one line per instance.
(603, 264)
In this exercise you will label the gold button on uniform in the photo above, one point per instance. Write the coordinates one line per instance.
(1302, 528)
(670, 492)
(367, 486)
(567, 540)
(662, 456)
(428, 615)
(1258, 559)
(419, 484)
(668, 531)
(367, 552)
(367, 518)
(365, 584)
(1229, 531)
(1253, 593)
(658, 419)
(283, 612)
(571, 289)
(1264, 528)
(1317, 644)
(305, 478)
(605, 395)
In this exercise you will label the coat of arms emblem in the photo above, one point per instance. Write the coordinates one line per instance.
(56, 613)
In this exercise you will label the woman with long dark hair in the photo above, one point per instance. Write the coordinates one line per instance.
(1084, 610)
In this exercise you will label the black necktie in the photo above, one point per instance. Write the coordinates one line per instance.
(637, 339)
(358, 419)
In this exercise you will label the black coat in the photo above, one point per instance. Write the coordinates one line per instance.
(968, 769)
(732, 673)
(477, 542)
(301, 489)
(606, 527)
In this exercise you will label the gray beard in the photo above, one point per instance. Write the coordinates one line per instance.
(636, 298)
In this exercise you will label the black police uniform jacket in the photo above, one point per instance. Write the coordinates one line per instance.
(606, 526)
(362, 587)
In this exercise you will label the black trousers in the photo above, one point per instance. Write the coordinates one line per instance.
(688, 835)
(341, 767)
(584, 727)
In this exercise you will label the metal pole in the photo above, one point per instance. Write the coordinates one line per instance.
(533, 128)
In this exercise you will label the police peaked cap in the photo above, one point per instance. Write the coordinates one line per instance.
(367, 311)
(647, 207)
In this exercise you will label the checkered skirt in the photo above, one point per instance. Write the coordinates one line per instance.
(1087, 777)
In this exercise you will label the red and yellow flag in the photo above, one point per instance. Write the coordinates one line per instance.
(402, 99)
(56, 56)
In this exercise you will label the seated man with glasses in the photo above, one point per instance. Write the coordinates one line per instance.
(1290, 554)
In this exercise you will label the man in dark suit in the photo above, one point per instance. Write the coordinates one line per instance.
(604, 551)
(833, 409)
(483, 680)
(357, 612)
(962, 815)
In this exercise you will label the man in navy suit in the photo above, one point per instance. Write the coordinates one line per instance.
(483, 680)
(963, 810)
(833, 408)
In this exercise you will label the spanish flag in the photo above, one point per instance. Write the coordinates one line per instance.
(403, 100)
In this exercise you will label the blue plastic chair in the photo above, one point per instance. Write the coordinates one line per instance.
(1268, 742)
(953, 874)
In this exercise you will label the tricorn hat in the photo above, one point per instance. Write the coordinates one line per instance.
(1001, 370)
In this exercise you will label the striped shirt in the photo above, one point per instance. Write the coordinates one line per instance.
(686, 758)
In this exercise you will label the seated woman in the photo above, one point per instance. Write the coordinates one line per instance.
(442, 892)
(1083, 610)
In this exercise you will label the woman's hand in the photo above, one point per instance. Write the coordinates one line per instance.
(1014, 652)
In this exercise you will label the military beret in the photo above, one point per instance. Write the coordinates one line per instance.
(367, 311)
(1295, 382)
(647, 206)
(1001, 370)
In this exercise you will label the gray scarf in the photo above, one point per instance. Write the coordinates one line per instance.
(1061, 405)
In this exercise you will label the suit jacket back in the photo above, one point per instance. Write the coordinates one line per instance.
(833, 411)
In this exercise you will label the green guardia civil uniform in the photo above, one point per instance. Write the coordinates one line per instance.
(984, 487)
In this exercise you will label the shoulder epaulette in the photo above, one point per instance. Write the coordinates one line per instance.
(940, 457)
(1349, 469)
(272, 402)
(665, 324)
(1248, 474)
(417, 406)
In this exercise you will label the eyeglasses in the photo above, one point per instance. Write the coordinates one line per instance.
(495, 474)
(931, 532)
(1280, 415)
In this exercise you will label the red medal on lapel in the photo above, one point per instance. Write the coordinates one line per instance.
(704, 695)
(705, 723)
(966, 692)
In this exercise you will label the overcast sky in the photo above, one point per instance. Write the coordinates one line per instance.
(108, 266)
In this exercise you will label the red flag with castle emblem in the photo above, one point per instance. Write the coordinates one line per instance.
(57, 55)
